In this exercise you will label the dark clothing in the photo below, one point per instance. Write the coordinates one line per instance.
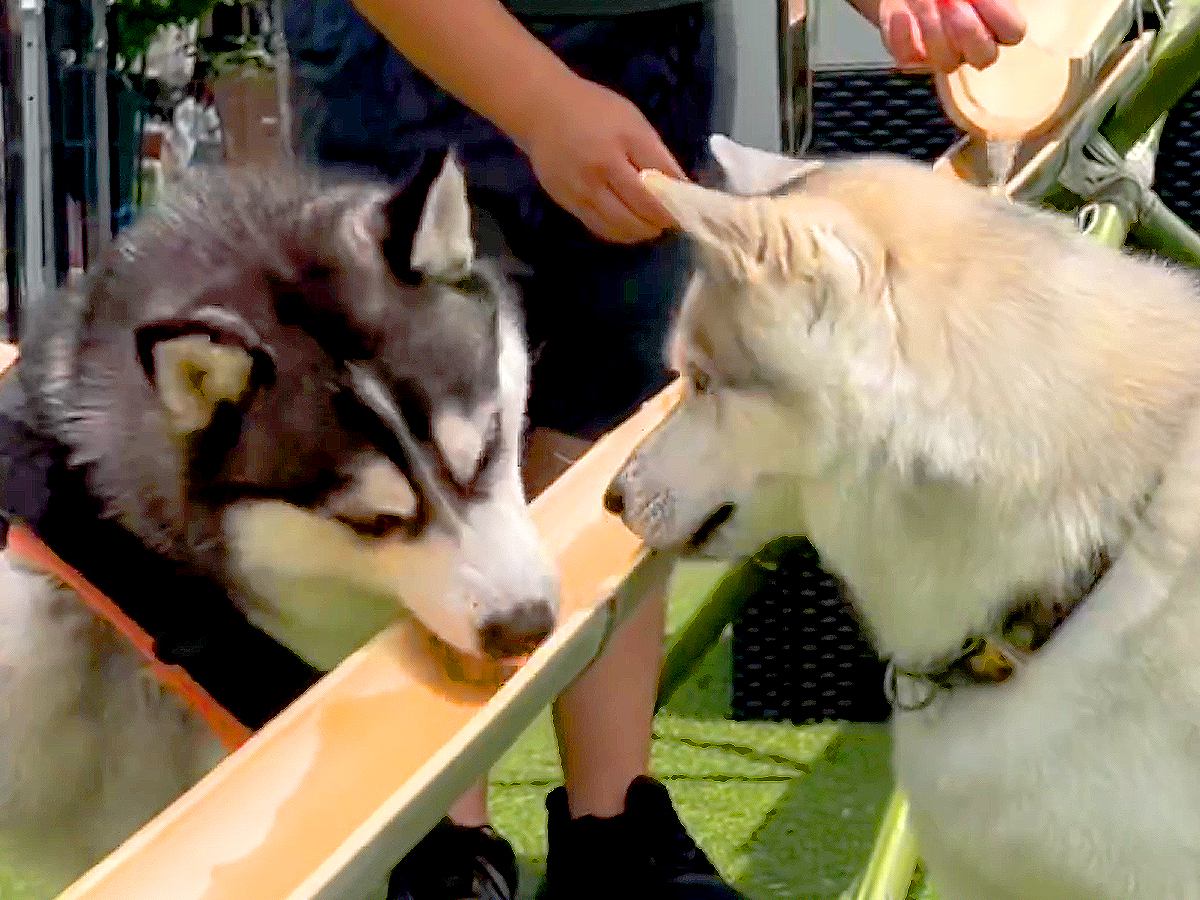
(592, 8)
(597, 313)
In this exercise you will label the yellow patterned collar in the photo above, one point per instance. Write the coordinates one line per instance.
(993, 657)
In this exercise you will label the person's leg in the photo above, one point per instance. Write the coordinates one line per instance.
(605, 750)
(604, 720)
(599, 319)
(612, 829)
(471, 808)
(603, 314)
(600, 761)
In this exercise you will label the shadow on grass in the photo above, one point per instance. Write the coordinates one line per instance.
(816, 838)
(789, 812)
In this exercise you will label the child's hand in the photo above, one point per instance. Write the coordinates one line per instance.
(943, 34)
(587, 145)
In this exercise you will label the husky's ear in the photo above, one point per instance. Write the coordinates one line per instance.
(198, 363)
(730, 231)
(711, 217)
(442, 247)
(749, 171)
(847, 254)
(751, 238)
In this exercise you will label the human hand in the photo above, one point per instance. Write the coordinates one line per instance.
(943, 34)
(587, 145)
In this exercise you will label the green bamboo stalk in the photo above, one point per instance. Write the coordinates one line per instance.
(688, 644)
(1108, 224)
(1111, 223)
(1157, 228)
(1174, 67)
(1162, 231)
(893, 861)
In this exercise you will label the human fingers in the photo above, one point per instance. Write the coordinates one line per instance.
(940, 54)
(966, 32)
(625, 183)
(902, 38)
(647, 151)
(615, 221)
(1002, 19)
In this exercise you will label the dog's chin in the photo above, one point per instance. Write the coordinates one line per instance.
(731, 543)
(718, 548)
(716, 539)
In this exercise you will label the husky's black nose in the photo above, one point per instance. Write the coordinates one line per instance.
(614, 498)
(519, 632)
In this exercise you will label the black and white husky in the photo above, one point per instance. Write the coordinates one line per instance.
(280, 407)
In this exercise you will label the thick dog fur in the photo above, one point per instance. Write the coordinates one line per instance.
(269, 383)
(958, 400)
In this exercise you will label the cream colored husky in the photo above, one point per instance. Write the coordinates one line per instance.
(988, 426)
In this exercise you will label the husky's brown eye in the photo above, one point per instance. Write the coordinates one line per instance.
(374, 526)
(700, 380)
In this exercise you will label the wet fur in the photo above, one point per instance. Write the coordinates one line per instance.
(958, 399)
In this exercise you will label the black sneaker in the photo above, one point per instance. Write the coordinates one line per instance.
(455, 862)
(645, 852)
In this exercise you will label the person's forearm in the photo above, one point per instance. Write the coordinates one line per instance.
(475, 50)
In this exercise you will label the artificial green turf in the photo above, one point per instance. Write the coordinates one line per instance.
(786, 813)
(31, 867)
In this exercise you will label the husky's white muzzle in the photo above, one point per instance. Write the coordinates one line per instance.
(489, 588)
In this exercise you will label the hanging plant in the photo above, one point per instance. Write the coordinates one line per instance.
(249, 51)
(132, 24)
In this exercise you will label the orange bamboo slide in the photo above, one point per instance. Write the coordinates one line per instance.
(325, 798)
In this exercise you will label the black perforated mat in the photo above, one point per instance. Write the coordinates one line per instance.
(1177, 180)
(798, 653)
(863, 112)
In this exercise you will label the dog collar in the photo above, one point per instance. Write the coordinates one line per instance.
(992, 658)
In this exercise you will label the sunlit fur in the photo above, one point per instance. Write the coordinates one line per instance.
(958, 399)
